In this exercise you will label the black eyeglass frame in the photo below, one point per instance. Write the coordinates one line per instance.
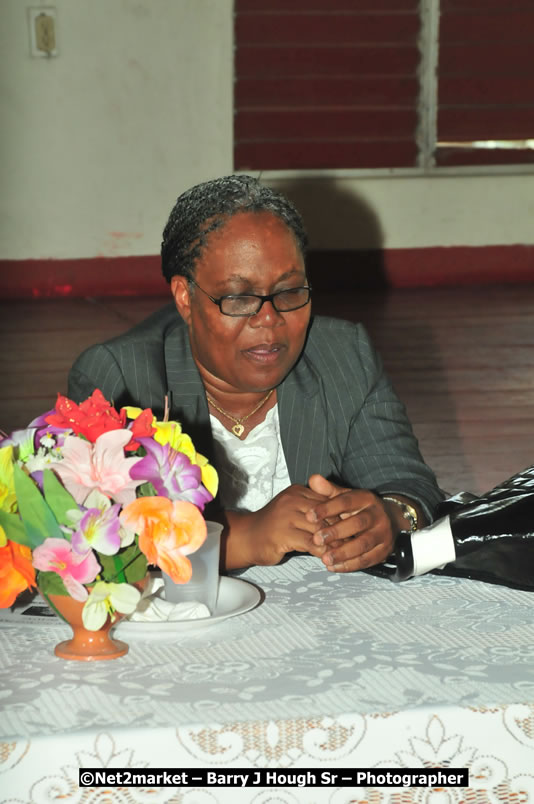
(270, 297)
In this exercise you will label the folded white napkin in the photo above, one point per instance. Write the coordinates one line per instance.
(154, 608)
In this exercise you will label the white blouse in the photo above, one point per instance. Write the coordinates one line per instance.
(252, 470)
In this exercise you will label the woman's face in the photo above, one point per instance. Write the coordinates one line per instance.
(252, 253)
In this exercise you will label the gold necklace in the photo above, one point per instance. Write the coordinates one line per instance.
(238, 427)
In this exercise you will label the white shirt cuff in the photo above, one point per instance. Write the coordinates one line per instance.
(433, 547)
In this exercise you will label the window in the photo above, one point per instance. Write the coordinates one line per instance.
(383, 83)
(486, 82)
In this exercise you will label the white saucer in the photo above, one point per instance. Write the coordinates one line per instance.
(235, 597)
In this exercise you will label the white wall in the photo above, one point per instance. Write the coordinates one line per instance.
(415, 212)
(98, 142)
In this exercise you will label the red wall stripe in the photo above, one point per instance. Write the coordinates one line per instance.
(329, 270)
(99, 276)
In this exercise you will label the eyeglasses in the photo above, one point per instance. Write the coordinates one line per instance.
(283, 301)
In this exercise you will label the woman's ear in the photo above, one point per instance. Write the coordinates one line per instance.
(182, 297)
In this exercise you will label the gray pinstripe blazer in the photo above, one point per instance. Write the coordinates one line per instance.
(339, 415)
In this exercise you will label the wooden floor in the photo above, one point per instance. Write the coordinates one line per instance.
(461, 359)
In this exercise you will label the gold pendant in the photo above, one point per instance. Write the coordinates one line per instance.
(237, 429)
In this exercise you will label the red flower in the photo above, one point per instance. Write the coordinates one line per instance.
(141, 428)
(90, 418)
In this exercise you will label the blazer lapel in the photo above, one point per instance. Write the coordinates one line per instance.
(188, 403)
(302, 423)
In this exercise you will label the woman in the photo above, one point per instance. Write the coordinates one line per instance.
(314, 450)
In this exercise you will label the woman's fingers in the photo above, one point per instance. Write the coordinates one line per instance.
(344, 562)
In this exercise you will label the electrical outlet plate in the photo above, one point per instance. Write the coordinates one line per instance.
(42, 23)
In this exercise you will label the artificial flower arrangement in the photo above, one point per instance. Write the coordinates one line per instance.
(89, 495)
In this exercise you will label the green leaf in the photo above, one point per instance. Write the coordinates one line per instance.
(131, 564)
(146, 490)
(26, 447)
(108, 567)
(135, 568)
(39, 521)
(58, 498)
(14, 528)
(50, 583)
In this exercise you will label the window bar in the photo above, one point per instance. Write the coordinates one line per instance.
(428, 82)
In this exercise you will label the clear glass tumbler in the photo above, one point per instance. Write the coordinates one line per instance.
(204, 584)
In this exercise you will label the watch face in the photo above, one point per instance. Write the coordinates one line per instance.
(409, 513)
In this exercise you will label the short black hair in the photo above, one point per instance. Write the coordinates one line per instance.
(207, 207)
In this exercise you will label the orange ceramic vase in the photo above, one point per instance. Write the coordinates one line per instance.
(85, 645)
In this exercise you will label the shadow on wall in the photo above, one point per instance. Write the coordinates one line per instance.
(406, 335)
(333, 214)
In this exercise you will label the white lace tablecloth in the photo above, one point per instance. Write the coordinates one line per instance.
(329, 671)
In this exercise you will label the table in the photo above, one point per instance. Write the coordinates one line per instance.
(329, 671)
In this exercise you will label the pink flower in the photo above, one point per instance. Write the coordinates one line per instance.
(100, 466)
(74, 569)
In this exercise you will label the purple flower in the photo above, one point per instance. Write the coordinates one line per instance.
(171, 473)
(98, 530)
(40, 421)
(37, 477)
(22, 440)
(44, 429)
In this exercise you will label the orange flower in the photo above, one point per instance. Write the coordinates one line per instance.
(16, 572)
(168, 532)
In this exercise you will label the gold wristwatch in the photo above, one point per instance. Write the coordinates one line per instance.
(408, 511)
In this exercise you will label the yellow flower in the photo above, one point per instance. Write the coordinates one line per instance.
(8, 498)
(166, 432)
(133, 413)
(208, 474)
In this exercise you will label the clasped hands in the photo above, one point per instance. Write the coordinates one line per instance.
(349, 529)
(353, 527)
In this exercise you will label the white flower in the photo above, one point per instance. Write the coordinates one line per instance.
(40, 461)
(107, 598)
(48, 441)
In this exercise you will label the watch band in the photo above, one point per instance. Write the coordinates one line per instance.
(408, 511)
